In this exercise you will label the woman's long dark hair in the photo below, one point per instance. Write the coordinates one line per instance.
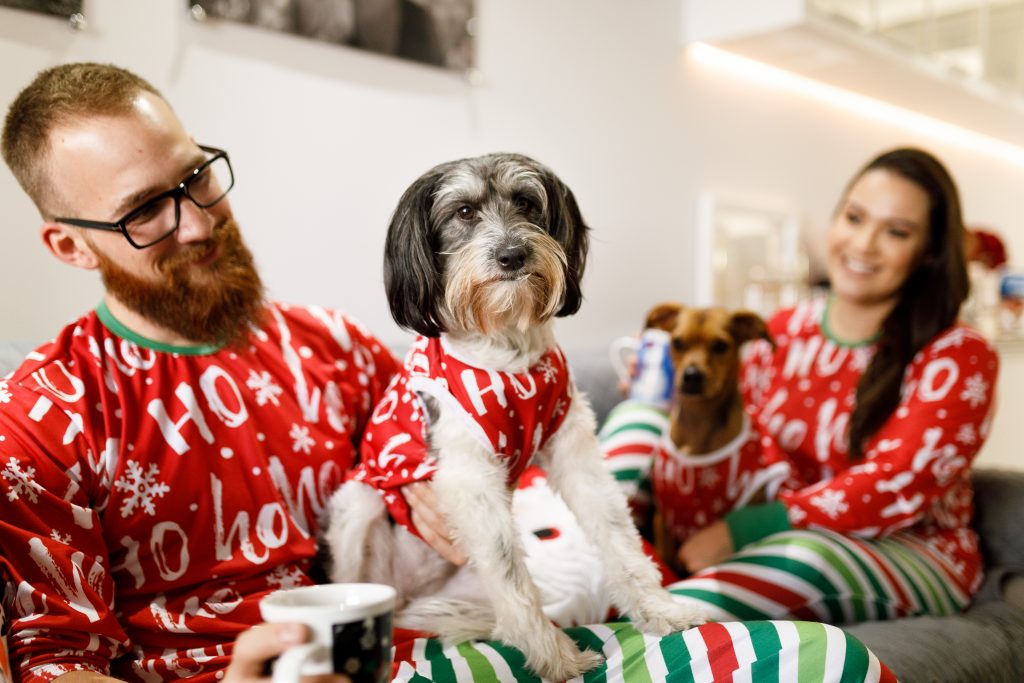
(929, 300)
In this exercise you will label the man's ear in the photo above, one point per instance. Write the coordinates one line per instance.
(68, 245)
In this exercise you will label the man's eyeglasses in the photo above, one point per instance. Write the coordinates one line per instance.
(158, 218)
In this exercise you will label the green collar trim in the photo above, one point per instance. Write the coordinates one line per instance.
(118, 328)
(827, 331)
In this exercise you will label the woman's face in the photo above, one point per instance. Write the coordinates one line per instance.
(876, 238)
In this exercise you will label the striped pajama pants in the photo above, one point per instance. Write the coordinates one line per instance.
(824, 576)
(783, 651)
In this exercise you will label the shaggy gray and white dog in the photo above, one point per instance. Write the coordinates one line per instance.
(487, 251)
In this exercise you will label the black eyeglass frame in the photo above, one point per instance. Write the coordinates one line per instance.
(177, 192)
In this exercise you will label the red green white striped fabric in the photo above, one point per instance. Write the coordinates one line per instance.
(824, 576)
(769, 651)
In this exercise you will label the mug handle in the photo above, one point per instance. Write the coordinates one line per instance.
(288, 667)
(620, 351)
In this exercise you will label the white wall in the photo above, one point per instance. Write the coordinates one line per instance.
(325, 139)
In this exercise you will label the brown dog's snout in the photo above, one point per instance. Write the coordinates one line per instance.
(693, 380)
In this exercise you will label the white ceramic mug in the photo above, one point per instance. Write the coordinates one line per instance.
(651, 378)
(350, 625)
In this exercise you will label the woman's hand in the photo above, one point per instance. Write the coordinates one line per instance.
(709, 546)
(430, 521)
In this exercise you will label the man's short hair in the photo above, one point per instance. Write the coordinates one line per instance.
(56, 97)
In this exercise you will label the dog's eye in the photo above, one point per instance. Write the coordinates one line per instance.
(678, 345)
(466, 213)
(524, 205)
(719, 346)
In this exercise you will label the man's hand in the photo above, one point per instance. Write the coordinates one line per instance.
(430, 521)
(257, 646)
(707, 547)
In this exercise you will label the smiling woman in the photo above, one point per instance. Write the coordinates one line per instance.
(896, 262)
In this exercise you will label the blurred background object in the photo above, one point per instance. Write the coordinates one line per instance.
(978, 41)
(986, 256)
(435, 32)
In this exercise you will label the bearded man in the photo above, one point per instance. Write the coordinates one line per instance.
(166, 456)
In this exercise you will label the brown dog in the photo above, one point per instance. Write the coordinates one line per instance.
(707, 424)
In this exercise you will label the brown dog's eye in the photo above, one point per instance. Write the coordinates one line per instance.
(719, 346)
(678, 345)
(466, 213)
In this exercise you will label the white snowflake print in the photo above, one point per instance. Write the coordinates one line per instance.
(966, 435)
(142, 488)
(548, 368)
(796, 514)
(560, 406)
(708, 477)
(285, 577)
(59, 537)
(759, 378)
(831, 502)
(976, 390)
(263, 385)
(5, 395)
(22, 482)
(301, 440)
(861, 357)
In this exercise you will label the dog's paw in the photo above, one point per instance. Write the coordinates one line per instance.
(559, 659)
(663, 614)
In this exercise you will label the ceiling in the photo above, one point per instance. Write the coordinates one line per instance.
(959, 61)
(979, 40)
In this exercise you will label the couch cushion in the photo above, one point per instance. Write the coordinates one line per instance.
(11, 355)
(592, 371)
(983, 644)
(999, 509)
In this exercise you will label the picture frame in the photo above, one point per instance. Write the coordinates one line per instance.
(749, 253)
(66, 9)
(432, 32)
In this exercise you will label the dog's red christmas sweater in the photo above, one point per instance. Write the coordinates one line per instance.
(914, 476)
(153, 494)
(511, 414)
(693, 490)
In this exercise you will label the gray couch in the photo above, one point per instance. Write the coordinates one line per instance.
(983, 645)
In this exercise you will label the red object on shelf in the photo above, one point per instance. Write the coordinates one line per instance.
(986, 248)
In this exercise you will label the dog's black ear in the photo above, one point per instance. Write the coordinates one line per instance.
(565, 224)
(412, 267)
(746, 326)
(663, 316)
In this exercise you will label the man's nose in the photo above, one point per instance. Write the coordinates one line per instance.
(195, 224)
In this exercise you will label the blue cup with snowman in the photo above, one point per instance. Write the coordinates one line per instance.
(644, 363)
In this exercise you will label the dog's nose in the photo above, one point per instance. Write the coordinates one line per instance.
(693, 381)
(511, 258)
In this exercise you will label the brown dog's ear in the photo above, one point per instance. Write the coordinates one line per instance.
(746, 326)
(663, 316)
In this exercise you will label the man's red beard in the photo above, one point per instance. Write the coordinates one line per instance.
(211, 304)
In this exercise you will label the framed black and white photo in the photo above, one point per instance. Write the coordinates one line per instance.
(435, 32)
(58, 8)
